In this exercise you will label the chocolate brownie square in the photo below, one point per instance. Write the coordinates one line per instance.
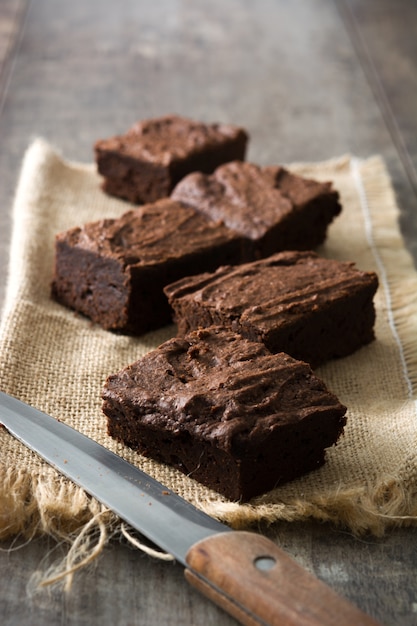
(273, 208)
(313, 308)
(114, 270)
(225, 411)
(147, 162)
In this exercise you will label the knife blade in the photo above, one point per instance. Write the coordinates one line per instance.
(243, 572)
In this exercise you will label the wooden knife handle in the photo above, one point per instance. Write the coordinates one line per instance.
(255, 581)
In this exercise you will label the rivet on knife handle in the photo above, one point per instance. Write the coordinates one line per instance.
(255, 581)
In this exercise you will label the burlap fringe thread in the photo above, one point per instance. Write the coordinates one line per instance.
(45, 511)
(56, 507)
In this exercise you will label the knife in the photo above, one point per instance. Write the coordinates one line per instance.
(243, 572)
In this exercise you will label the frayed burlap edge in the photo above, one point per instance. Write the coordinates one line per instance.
(87, 526)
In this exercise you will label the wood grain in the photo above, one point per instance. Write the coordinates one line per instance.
(383, 35)
(12, 20)
(292, 73)
(12, 14)
(385, 40)
(256, 582)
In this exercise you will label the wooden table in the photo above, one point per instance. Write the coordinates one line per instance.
(310, 80)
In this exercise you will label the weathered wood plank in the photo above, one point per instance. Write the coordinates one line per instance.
(290, 73)
(12, 13)
(125, 587)
(384, 35)
(12, 18)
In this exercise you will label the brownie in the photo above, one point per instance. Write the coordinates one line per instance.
(114, 270)
(313, 308)
(225, 411)
(148, 161)
(273, 208)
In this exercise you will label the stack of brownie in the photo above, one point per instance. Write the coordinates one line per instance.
(114, 271)
(223, 247)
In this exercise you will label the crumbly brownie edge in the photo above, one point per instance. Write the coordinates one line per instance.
(125, 295)
(338, 328)
(140, 181)
(148, 306)
(305, 228)
(299, 451)
(290, 221)
(335, 331)
(244, 458)
(93, 286)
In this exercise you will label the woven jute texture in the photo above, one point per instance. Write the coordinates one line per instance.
(58, 361)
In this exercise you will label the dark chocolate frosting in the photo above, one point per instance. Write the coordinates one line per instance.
(153, 233)
(252, 199)
(220, 388)
(272, 292)
(170, 138)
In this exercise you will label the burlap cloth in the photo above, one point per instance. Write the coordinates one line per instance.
(58, 362)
